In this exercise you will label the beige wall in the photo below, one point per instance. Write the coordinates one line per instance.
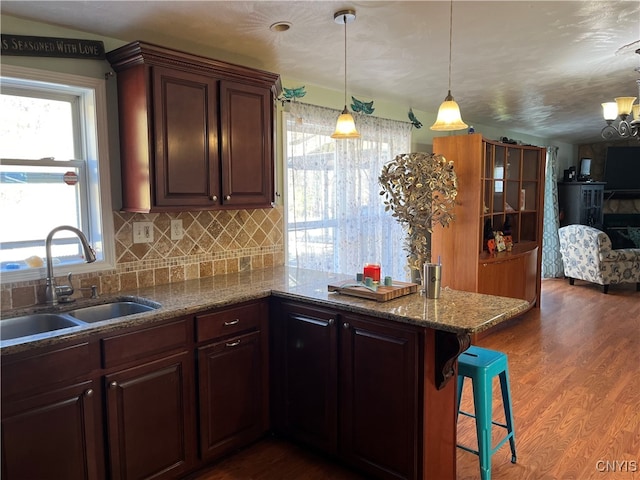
(250, 239)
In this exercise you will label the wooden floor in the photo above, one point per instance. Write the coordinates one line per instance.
(575, 384)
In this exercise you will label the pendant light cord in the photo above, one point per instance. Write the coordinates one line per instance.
(450, 36)
(344, 19)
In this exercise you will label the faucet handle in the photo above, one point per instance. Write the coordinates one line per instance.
(65, 291)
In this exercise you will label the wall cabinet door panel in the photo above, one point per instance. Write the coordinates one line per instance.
(186, 147)
(247, 166)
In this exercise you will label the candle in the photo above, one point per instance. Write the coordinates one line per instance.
(372, 270)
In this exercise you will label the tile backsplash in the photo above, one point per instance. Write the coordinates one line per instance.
(213, 243)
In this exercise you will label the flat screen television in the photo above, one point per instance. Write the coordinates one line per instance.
(622, 169)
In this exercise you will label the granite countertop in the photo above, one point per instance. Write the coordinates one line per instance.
(455, 311)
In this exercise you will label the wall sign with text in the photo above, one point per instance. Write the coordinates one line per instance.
(26, 45)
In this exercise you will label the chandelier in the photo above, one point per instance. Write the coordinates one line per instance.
(623, 107)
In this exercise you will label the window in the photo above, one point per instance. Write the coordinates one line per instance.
(336, 221)
(53, 171)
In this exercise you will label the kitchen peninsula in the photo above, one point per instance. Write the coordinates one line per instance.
(370, 383)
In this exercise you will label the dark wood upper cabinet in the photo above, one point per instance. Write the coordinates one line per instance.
(195, 133)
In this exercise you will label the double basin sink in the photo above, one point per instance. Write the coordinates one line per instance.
(42, 323)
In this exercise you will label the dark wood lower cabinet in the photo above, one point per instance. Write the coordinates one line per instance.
(305, 372)
(150, 419)
(231, 391)
(379, 397)
(348, 386)
(162, 401)
(53, 435)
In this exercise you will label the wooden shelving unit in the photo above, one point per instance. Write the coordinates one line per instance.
(496, 182)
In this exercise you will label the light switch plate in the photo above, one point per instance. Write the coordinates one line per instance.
(176, 229)
(142, 232)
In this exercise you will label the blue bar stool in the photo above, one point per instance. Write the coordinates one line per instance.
(481, 365)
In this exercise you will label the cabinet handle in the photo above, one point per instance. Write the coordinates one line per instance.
(331, 321)
(346, 325)
(232, 322)
(228, 197)
(113, 384)
(233, 344)
(214, 197)
(88, 393)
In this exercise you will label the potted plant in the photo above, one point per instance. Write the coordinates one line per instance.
(420, 189)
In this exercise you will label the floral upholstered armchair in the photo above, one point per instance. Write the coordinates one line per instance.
(587, 255)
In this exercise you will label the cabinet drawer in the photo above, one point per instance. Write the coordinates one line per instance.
(42, 369)
(228, 322)
(123, 348)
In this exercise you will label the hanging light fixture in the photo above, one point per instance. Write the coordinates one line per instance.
(623, 108)
(345, 126)
(449, 117)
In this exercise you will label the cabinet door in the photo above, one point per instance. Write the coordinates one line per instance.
(305, 367)
(186, 139)
(53, 435)
(505, 278)
(231, 378)
(379, 375)
(150, 419)
(247, 151)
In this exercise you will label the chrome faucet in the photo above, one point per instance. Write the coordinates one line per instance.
(60, 294)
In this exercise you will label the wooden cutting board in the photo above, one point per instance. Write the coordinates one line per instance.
(382, 294)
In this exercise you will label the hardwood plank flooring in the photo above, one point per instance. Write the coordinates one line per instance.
(575, 384)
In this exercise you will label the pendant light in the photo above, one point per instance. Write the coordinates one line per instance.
(345, 126)
(449, 117)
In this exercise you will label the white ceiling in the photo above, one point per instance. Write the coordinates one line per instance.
(538, 67)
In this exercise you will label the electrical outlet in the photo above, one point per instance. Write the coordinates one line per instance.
(176, 229)
(142, 232)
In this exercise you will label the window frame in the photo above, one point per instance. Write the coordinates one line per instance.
(95, 143)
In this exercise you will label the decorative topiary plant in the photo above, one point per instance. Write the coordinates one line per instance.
(420, 189)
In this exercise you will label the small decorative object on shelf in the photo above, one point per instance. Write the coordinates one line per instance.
(499, 238)
(506, 227)
(488, 234)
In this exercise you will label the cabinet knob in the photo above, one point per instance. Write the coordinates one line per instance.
(214, 198)
(331, 321)
(89, 392)
(113, 384)
(346, 325)
(228, 197)
(233, 344)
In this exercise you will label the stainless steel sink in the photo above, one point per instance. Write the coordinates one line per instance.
(97, 313)
(34, 324)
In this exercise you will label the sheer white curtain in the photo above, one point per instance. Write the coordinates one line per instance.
(335, 216)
